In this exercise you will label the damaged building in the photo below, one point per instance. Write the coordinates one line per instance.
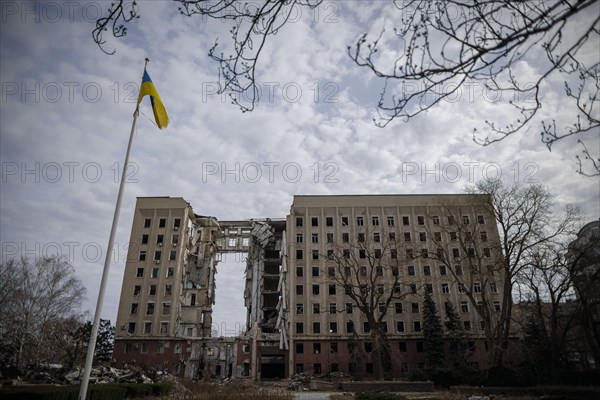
(299, 317)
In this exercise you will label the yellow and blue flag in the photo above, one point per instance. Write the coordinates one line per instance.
(147, 88)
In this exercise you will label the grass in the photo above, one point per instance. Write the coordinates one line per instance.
(228, 391)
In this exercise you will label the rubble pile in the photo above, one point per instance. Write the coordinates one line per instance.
(302, 382)
(104, 374)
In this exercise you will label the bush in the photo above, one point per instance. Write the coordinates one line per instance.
(161, 389)
(379, 396)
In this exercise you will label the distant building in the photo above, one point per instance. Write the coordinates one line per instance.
(299, 316)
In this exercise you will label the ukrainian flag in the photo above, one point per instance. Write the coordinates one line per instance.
(147, 88)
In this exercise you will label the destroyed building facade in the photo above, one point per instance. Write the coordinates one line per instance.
(299, 317)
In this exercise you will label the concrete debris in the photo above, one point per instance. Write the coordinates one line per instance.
(42, 374)
(302, 382)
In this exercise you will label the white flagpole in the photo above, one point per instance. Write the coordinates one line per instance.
(109, 251)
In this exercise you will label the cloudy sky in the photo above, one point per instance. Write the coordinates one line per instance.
(66, 113)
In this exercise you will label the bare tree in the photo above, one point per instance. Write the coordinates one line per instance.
(367, 268)
(546, 283)
(483, 267)
(438, 49)
(40, 296)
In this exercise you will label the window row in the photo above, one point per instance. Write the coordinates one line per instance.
(166, 308)
(377, 237)
(158, 255)
(160, 239)
(152, 290)
(143, 348)
(455, 253)
(147, 328)
(391, 220)
(154, 272)
(162, 223)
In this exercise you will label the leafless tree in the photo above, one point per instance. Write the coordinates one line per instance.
(367, 268)
(439, 49)
(546, 283)
(38, 297)
(481, 266)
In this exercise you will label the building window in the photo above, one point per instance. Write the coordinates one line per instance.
(139, 273)
(464, 307)
(317, 368)
(166, 308)
(407, 236)
(160, 239)
(381, 307)
(330, 254)
(393, 253)
(349, 327)
(361, 253)
(332, 289)
(455, 253)
(453, 236)
(368, 347)
(142, 255)
(436, 220)
(465, 219)
(331, 271)
(443, 270)
(314, 221)
(360, 221)
(429, 288)
(411, 270)
(299, 327)
(345, 237)
(299, 348)
(145, 238)
(147, 327)
(299, 254)
(424, 253)
(147, 222)
(333, 347)
(413, 288)
(131, 327)
(314, 238)
(349, 307)
(155, 272)
(426, 270)
(366, 327)
(137, 289)
(170, 272)
(402, 345)
(299, 272)
(445, 288)
(376, 237)
(172, 255)
(299, 290)
(494, 287)
(164, 328)
(422, 236)
(316, 348)
(299, 369)
(333, 327)
(437, 236)
(378, 253)
(487, 253)
(152, 290)
(316, 327)
(299, 221)
(420, 220)
(299, 309)
(315, 290)
(419, 347)
(315, 254)
(329, 221)
(392, 236)
(477, 287)
(467, 325)
(315, 271)
(375, 220)
(497, 306)
(398, 308)
(157, 255)
(344, 221)
(390, 221)
(299, 238)
(451, 220)
(471, 252)
(480, 220)
(409, 254)
(316, 308)
(400, 327)
(457, 269)
(417, 326)
(134, 308)
(405, 221)
(168, 290)
(162, 222)
(483, 236)
(361, 238)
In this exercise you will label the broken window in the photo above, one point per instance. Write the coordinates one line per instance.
(316, 348)
(331, 271)
(414, 308)
(480, 219)
(437, 236)
(483, 236)
(457, 269)
(455, 253)
(487, 253)
(424, 253)
(170, 272)
(409, 254)
(332, 290)
(140, 273)
(445, 288)
(477, 287)
(131, 327)
(423, 236)
(392, 236)
(464, 307)
(299, 309)
(134, 308)
(329, 237)
(417, 326)
(366, 327)
(166, 308)
(344, 221)
(299, 254)
(349, 307)
(145, 238)
(315, 290)
(137, 289)
(378, 253)
(152, 290)
(315, 254)
(333, 346)
(316, 327)
(299, 290)
(299, 327)
(349, 328)
(426, 270)
(411, 270)
(451, 220)
(405, 220)
(157, 255)
(420, 220)
(429, 288)
(436, 220)
(164, 328)
(332, 308)
(147, 222)
(142, 255)
(345, 237)
(443, 270)
(168, 290)
(361, 238)
(155, 272)
(376, 237)
(465, 219)
(150, 308)
(315, 271)
(393, 253)
(407, 236)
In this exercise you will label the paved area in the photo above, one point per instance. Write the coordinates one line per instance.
(312, 396)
